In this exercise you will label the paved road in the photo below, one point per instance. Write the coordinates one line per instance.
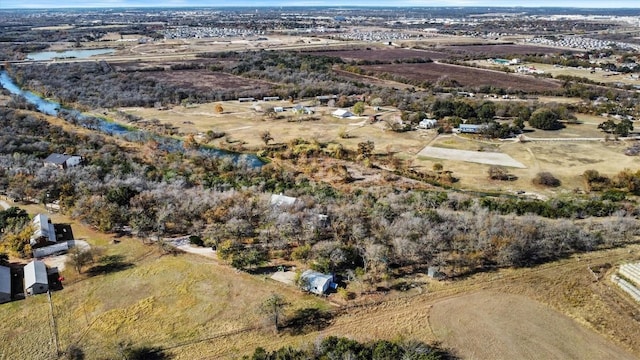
(4, 204)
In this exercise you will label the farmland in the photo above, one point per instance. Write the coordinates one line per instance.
(465, 76)
(373, 54)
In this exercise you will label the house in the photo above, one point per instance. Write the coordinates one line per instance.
(5, 284)
(278, 109)
(35, 278)
(43, 231)
(315, 282)
(62, 161)
(303, 109)
(427, 124)
(246, 99)
(271, 98)
(279, 200)
(472, 128)
(342, 114)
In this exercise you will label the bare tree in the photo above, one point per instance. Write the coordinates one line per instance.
(274, 307)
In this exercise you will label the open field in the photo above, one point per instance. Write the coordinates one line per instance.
(465, 76)
(497, 50)
(487, 325)
(381, 54)
(482, 157)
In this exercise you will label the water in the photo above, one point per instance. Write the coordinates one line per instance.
(78, 54)
(53, 108)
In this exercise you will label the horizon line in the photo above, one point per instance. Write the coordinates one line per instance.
(317, 6)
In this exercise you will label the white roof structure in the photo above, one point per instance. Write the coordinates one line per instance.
(35, 273)
(282, 200)
(5, 284)
(342, 113)
(58, 248)
(316, 282)
(42, 228)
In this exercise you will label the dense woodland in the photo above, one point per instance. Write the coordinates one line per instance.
(135, 184)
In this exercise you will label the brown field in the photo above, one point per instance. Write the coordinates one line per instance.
(466, 76)
(500, 49)
(210, 81)
(381, 54)
(491, 325)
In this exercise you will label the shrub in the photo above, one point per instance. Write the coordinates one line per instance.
(546, 179)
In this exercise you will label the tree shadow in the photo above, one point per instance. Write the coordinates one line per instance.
(109, 264)
(307, 320)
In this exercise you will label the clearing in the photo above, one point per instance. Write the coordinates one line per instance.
(488, 325)
(482, 157)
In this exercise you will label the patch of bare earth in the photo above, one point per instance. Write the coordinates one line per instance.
(488, 325)
(464, 76)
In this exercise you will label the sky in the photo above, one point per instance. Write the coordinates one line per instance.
(34, 4)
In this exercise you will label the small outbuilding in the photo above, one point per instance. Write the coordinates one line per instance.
(5, 284)
(316, 282)
(35, 278)
(279, 200)
(342, 114)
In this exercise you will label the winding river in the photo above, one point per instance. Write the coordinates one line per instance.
(53, 108)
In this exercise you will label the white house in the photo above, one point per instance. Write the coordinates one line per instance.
(35, 278)
(315, 282)
(43, 231)
(5, 284)
(342, 113)
(62, 161)
(279, 200)
(427, 124)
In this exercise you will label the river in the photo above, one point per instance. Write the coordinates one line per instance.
(53, 108)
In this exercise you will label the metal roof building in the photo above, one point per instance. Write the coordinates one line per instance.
(5, 284)
(35, 278)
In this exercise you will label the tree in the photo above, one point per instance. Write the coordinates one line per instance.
(218, 109)
(274, 307)
(358, 108)
(487, 111)
(78, 258)
(624, 127)
(545, 119)
(608, 126)
(266, 137)
(498, 173)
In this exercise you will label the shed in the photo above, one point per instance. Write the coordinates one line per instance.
(271, 98)
(43, 231)
(35, 278)
(279, 200)
(342, 113)
(246, 99)
(316, 282)
(5, 284)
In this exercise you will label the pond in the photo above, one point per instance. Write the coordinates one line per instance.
(76, 54)
(53, 108)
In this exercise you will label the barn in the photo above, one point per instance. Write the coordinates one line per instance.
(43, 231)
(315, 282)
(35, 278)
(5, 284)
